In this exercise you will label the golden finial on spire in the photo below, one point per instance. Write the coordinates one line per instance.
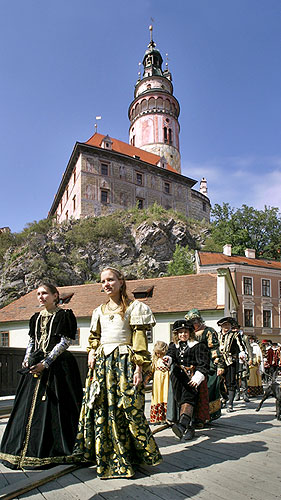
(151, 32)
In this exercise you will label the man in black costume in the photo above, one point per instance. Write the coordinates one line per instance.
(233, 350)
(191, 364)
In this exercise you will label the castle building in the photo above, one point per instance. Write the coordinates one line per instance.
(105, 174)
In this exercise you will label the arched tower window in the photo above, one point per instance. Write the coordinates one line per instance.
(170, 136)
(143, 104)
(165, 135)
(159, 103)
(167, 105)
(151, 103)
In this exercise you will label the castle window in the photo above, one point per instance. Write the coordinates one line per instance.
(140, 203)
(165, 135)
(204, 206)
(139, 179)
(133, 140)
(74, 202)
(170, 136)
(167, 187)
(66, 215)
(74, 176)
(4, 339)
(104, 196)
(66, 193)
(148, 60)
(104, 169)
(266, 316)
(61, 206)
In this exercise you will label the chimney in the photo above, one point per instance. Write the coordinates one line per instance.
(227, 250)
(203, 186)
(250, 253)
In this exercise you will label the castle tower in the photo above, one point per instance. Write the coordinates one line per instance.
(154, 111)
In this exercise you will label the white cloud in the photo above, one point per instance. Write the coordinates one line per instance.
(240, 180)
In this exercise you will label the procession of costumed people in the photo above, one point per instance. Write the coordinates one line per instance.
(51, 424)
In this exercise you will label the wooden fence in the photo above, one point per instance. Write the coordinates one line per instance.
(11, 360)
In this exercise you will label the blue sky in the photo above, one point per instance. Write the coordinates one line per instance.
(63, 62)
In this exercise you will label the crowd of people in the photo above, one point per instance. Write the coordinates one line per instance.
(193, 378)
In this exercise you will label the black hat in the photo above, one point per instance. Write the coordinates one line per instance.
(182, 323)
(227, 319)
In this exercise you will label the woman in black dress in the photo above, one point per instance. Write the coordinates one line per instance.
(190, 360)
(43, 424)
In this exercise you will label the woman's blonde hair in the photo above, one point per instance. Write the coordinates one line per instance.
(159, 347)
(125, 301)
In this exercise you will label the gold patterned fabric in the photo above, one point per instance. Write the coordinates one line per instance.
(113, 430)
(114, 433)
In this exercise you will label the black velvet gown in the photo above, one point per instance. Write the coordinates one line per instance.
(42, 427)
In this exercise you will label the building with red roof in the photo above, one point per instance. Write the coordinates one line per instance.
(169, 298)
(105, 174)
(258, 286)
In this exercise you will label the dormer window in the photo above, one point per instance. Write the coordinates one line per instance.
(106, 143)
(143, 291)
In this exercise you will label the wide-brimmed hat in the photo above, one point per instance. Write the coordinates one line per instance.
(193, 314)
(182, 323)
(227, 319)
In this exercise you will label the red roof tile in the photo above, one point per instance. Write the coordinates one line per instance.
(213, 258)
(128, 150)
(174, 294)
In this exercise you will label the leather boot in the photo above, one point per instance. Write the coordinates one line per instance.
(237, 396)
(180, 428)
(190, 433)
(231, 395)
(245, 397)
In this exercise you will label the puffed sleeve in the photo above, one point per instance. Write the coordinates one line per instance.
(141, 319)
(142, 315)
(95, 330)
(67, 324)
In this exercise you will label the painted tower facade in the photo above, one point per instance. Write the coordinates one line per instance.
(154, 111)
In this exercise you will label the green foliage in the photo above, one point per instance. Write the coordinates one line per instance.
(246, 227)
(39, 227)
(182, 262)
(7, 240)
(92, 229)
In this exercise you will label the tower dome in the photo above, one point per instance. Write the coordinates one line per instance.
(154, 111)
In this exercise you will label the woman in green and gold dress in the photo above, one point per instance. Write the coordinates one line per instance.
(113, 430)
(42, 427)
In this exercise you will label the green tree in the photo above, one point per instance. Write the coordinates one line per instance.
(246, 227)
(182, 262)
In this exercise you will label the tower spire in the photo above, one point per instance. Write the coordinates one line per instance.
(154, 111)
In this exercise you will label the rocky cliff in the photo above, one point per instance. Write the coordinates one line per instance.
(142, 244)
